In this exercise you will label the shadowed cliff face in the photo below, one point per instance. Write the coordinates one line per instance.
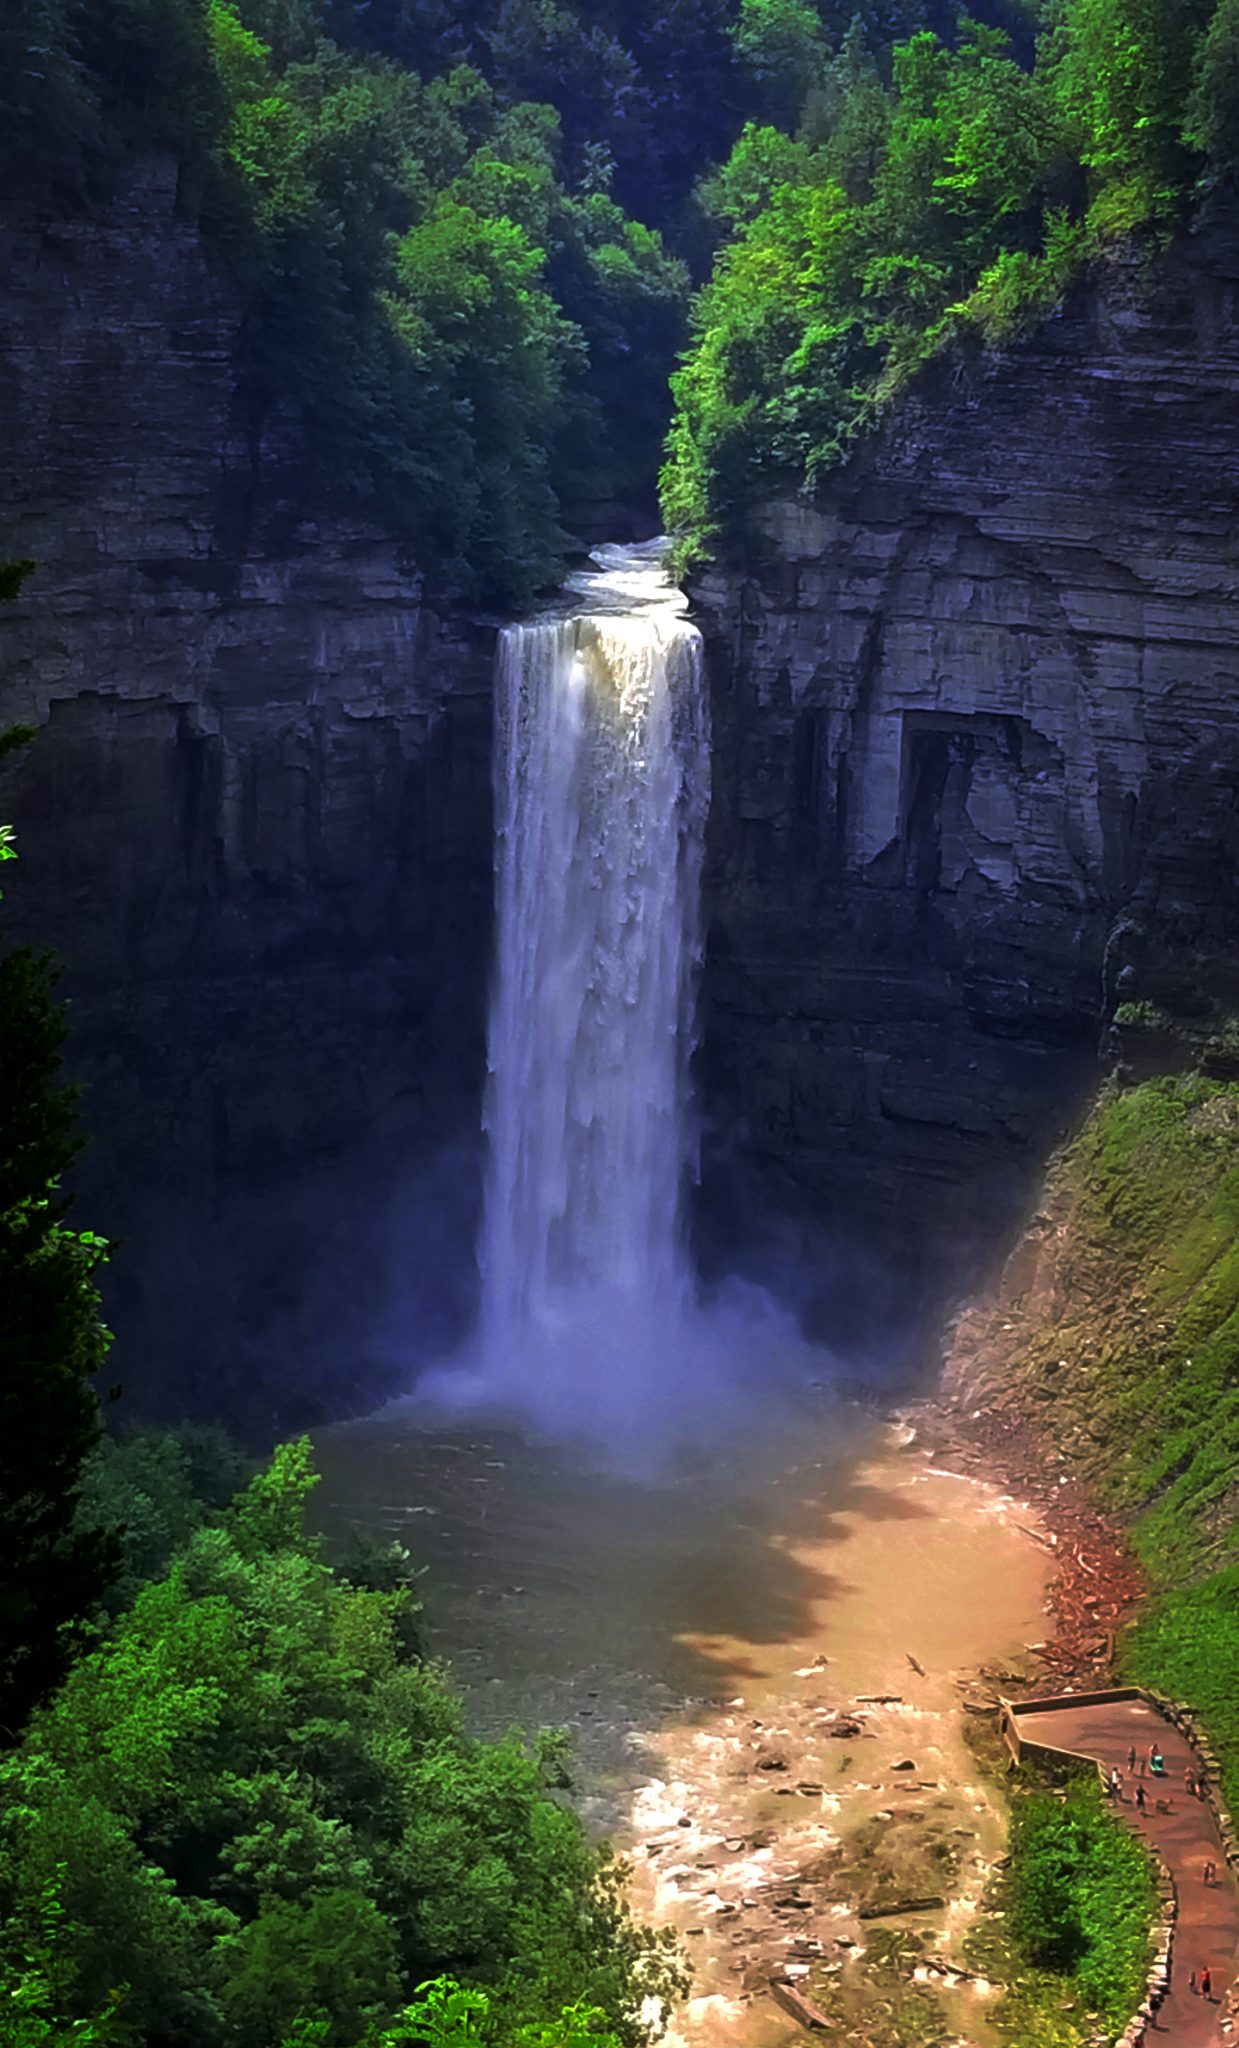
(255, 826)
(976, 776)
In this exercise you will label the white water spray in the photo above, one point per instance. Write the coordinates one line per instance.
(602, 787)
(589, 1325)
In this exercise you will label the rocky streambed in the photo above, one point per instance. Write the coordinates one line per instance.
(768, 1661)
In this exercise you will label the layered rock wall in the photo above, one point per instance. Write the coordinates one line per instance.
(975, 781)
(976, 775)
(255, 825)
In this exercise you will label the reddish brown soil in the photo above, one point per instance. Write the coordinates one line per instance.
(1097, 1585)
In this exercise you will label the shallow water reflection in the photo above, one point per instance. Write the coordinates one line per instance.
(685, 1631)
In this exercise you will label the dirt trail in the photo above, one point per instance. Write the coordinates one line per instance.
(1184, 1836)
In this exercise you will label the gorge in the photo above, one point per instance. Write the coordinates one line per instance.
(973, 788)
(667, 1111)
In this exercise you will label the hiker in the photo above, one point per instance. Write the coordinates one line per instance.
(1131, 1758)
(1114, 1785)
(1157, 1762)
(1191, 1982)
(1189, 1780)
(1206, 1982)
(1139, 1796)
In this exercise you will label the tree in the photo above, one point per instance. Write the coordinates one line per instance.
(1121, 69)
(52, 1340)
(782, 46)
(1212, 123)
(48, 104)
(263, 1816)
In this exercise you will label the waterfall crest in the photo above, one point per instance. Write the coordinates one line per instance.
(602, 789)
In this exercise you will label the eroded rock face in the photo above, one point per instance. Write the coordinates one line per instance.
(977, 764)
(255, 826)
(975, 781)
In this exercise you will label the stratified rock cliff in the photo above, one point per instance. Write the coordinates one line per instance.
(976, 771)
(255, 826)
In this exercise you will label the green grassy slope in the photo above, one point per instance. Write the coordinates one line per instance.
(1134, 1361)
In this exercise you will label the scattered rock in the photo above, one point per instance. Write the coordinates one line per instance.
(932, 1904)
(800, 2007)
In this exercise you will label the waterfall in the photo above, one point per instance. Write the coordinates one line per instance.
(601, 786)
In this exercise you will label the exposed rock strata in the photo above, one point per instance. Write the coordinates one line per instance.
(255, 826)
(975, 780)
(977, 764)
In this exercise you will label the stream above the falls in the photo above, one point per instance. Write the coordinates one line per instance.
(706, 1639)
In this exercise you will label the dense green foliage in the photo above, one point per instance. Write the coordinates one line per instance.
(1187, 1647)
(1160, 1169)
(1070, 1939)
(259, 1819)
(465, 231)
(52, 1337)
(443, 302)
(445, 2013)
(1157, 1178)
(957, 190)
(52, 1342)
(154, 1489)
(1082, 1897)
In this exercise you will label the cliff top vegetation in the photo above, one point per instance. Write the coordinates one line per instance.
(465, 233)
(955, 188)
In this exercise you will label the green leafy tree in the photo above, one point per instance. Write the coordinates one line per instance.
(849, 260)
(448, 2014)
(1212, 121)
(333, 1954)
(34, 1989)
(266, 1820)
(1081, 1897)
(849, 113)
(1121, 69)
(154, 1490)
(781, 45)
(48, 99)
(52, 1337)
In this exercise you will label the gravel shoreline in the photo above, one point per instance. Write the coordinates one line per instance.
(1097, 1586)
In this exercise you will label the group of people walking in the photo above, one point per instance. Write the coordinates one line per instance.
(1193, 1777)
(1200, 1981)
